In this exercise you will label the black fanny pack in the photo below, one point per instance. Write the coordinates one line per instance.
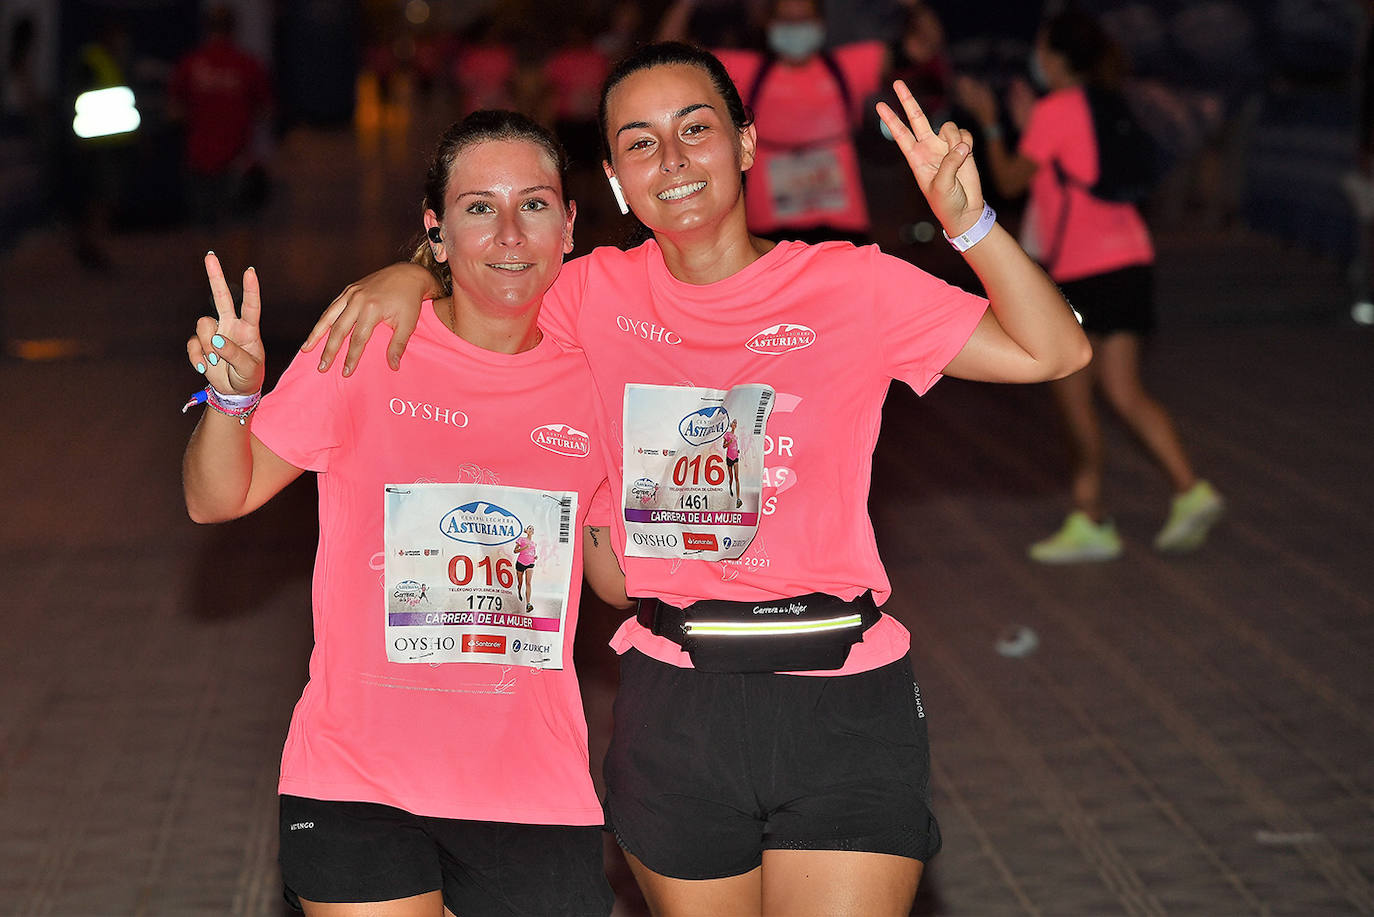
(801, 634)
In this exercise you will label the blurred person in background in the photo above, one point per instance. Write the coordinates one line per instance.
(101, 163)
(807, 102)
(1100, 253)
(223, 97)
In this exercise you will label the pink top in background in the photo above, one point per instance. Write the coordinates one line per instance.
(1098, 236)
(802, 108)
(575, 76)
(454, 740)
(867, 318)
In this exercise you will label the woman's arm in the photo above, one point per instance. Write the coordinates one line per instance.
(1031, 334)
(391, 296)
(601, 569)
(227, 472)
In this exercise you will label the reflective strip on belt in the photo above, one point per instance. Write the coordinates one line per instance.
(770, 628)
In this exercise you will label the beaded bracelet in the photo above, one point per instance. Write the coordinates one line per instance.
(239, 406)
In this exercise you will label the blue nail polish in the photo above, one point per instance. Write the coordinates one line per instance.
(200, 368)
(217, 341)
(214, 360)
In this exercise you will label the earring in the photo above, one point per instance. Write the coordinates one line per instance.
(619, 195)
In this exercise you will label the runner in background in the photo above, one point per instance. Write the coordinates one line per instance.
(437, 758)
(734, 785)
(1100, 253)
(807, 101)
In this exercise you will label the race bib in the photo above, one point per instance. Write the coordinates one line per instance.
(806, 181)
(456, 587)
(693, 460)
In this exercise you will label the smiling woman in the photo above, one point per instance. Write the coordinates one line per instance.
(733, 785)
(421, 614)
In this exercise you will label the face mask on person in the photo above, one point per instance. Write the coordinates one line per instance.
(1036, 68)
(796, 40)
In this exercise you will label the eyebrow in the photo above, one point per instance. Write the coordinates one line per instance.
(635, 125)
(523, 191)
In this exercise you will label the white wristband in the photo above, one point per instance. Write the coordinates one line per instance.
(234, 402)
(975, 233)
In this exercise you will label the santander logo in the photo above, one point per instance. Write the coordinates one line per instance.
(781, 339)
(562, 439)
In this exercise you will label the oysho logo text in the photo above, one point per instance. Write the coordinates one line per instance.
(423, 410)
(647, 330)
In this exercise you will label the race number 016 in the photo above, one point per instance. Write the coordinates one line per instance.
(499, 572)
(715, 470)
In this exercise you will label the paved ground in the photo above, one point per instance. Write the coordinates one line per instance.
(1193, 736)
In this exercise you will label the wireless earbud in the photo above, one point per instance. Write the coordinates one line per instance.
(619, 195)
(435, 235)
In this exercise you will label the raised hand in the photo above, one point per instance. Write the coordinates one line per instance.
(941, 162)
(229, 351)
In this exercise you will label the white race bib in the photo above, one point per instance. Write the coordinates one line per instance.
(693, 460)
(453, 593)
(806, 181)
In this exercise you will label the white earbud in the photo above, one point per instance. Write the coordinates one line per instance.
(619, 195)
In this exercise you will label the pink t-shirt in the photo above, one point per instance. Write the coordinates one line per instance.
(525, 551)
(731, 445)
(463, 740)
(867, 318)
(485, 74)
(575, 76)
(1098, 236)
(806, 170)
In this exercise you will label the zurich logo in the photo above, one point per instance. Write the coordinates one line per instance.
(480, 522)
(515, 647)
(704, 425)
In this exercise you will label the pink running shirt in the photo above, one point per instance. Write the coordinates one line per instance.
(802, 109)
(1098, 236)
(454, 740)
(525, 551)
(865, 317)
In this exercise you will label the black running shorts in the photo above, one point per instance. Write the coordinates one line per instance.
(706, 770)
(1122, 300)
(359, 851)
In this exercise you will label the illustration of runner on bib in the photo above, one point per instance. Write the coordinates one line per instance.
(693, 469)
(731, 443)
(525, 555)
(460, 537)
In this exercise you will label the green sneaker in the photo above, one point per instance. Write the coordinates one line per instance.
(1193, 512)
(1078, 540)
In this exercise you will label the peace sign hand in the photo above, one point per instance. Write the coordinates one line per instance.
(941, 162)
(229, 352)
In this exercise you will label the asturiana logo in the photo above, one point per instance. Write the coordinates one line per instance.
(704, 425)
(480, 522)
(562, 439)
(781, 339)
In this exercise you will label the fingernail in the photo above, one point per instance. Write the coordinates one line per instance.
(347, 371)
(214, 360)
(200, 368)
(210, 251)
(322, 367)
(217, 341)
